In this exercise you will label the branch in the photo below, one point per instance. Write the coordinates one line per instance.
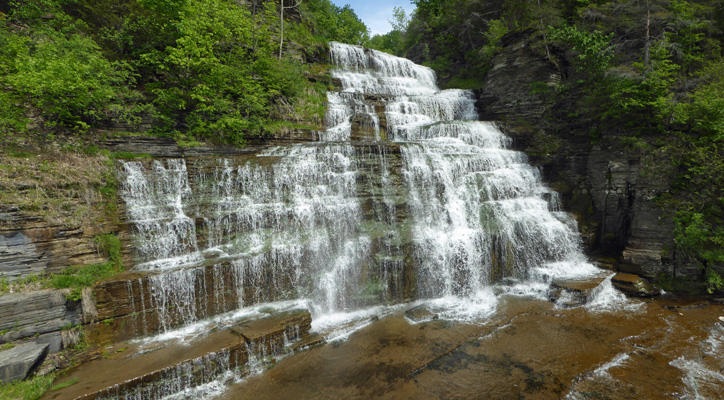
(294, 6)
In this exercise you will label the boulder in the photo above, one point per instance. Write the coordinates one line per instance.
(20, 361)
(634, 285)
(572, 293)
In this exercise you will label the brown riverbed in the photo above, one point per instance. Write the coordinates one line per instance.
(666, 348)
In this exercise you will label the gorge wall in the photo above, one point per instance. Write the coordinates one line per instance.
(610, 190)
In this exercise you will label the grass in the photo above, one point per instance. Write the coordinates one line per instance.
(30, 282)
(57, 187)
(78, 277)
(30, 389)
(65, 384)
(458, 82)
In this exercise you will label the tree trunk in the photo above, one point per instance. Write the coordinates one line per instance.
(647, 44)
(281, 31)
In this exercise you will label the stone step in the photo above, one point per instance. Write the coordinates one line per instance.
(267, 335)
(126, 307)
(154, 370)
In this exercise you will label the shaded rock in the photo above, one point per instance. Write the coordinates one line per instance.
(507, 92)
(47, 368)
(17, 363)
(40, 315)
(634, 285)
(32, 246)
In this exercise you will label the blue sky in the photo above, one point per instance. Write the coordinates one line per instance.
(375, 13)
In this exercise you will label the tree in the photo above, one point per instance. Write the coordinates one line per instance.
(282, 7)
(433, 7)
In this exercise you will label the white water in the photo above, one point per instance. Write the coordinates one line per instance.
(442, 201)
(702, 369)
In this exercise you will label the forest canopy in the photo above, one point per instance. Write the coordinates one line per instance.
(218, 70)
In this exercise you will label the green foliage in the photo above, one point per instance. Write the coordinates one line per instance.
(30, 389)
(332, 23)
(433, 7)
(689, 35)
(63, 74)
(20, 284)
(110, 246)
(207, 69)
(593, 48)
(697, 235)
(496, 30)
(714, 281)
(77, 277)
(704, 112)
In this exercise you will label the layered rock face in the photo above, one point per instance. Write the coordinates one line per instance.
(32, 246)
(611, 190)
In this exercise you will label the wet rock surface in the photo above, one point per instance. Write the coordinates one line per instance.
(634, 285)
(269, 335)
(571, 293)
(420, 314)
(17, 363)
(160, 368)
(528, 350)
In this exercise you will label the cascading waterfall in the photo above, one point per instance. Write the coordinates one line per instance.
(478, 212)
(405, 196)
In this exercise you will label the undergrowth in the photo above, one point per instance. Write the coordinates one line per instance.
(30, 389)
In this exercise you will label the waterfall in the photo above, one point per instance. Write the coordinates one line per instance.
(405, 196)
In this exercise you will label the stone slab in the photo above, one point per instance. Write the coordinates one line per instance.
(40, 314)
(17, 363)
